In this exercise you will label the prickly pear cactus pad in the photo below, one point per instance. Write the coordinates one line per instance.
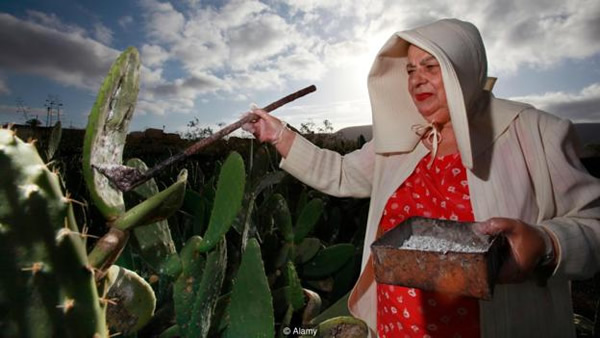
(131, 300)
(47, 285)
(107, 128)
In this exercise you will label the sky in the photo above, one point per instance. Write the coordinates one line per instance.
(211, 59)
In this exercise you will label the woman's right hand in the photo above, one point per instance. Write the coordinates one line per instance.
(265, 128)
(268, 128)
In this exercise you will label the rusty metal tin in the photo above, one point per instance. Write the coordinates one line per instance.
(438, 255)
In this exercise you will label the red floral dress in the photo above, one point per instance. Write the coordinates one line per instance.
(439, 192)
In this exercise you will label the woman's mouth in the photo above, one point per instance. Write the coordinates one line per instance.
(423, 96)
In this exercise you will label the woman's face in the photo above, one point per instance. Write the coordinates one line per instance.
(425, 85)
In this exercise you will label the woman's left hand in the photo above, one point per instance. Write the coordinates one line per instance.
(527, 247)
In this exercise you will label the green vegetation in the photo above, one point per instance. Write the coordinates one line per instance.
(185, 255)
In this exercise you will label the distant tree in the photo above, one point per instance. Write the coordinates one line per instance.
(196, 130)
(307, 127)
(33, 122)
(327, 127)
(310, 127)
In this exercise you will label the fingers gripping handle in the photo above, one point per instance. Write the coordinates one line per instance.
(248, 118)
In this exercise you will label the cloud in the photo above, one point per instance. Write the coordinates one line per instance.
(257, 40)
(162, 21)
(103, 33)
(153, 55)
(241, 47)
(66, 57)
(125, 21)
(51, 20)
(237, 49)
(188, 87)
(538, 33)
(582, 106)
(161, 97)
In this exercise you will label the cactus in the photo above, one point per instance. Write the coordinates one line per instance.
(158, 207)
(341, 327)
(295, 294)
(197, 289)
(131, 301)
(307, 249)
(155, 208)
(328, 261)
(251, 307)
(282, 217)
(54, 141)
(107, 128)
(308, 218)
(47, 280)
(153, 241)
(227, 203)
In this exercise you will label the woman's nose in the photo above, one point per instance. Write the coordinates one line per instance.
(416, 78)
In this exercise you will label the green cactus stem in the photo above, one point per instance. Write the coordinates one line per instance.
(308, 218)
(155, 208)
(131, 301)
(282, 217)
(107, 250)
(307, 249)
(208, 291)
(251, 307)
(295, 295)
(220, 317)
(107, 128)
(197, 289)
(328, 261)
(47, 281)
(192, 263)
(158, 207)
(228, 201)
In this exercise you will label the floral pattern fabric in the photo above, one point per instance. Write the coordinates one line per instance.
(438, 192)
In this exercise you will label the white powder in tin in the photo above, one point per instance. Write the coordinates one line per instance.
(428, 243)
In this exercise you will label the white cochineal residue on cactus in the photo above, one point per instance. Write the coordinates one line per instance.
(112, 131)
(107, 150)
(113, 102)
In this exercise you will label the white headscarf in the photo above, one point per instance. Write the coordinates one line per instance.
(459, 49)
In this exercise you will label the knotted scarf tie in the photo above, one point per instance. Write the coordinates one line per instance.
(431, 133)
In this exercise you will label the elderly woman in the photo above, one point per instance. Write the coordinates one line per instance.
(444, 147)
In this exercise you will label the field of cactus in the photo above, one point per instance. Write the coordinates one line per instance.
(223, 244)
